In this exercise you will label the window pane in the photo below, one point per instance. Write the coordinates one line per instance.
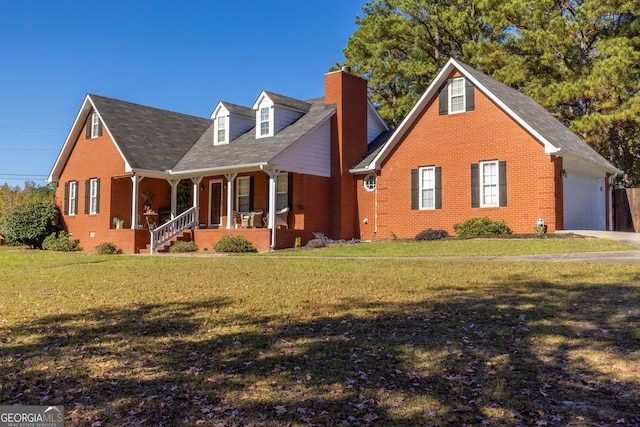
(282, 191)
(94, 196)
(243, 194)
(264, 121)
(457, 95)
(73, 186)
(490, 184)
(427, 187)
(221, 129)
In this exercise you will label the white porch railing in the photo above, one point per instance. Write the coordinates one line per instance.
(169, 230)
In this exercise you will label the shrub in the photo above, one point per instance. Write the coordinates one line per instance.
(107, 248)
(476, 227)
(182, 246)
(431, 234)
(60, 242)
(29, 224)
(233, 244)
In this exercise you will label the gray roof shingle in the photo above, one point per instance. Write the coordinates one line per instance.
(149, 138)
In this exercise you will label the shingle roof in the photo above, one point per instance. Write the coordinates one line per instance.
(149, 138)
(239, 109)
(372, 150)
(247, 149)
(543, 122)
(288, 102)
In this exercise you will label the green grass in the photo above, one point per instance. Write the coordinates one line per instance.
(235, 341)
(465, 247)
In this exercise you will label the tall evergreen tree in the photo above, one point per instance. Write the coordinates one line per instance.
(578, 58)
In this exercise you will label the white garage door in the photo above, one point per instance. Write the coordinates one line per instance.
(584, 202)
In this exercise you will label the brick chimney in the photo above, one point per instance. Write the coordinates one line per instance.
(348, 143)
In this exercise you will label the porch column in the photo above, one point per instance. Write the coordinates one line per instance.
(174, 196)
(134, 200)
(231, 177)
(196, 196)
(273, 182)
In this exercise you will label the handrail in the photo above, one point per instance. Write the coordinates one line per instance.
(162, 234)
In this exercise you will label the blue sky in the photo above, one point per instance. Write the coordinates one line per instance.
(180, 56)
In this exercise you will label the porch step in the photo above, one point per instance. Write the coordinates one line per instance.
(186, 236)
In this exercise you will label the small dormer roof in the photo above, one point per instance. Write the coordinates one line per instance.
(233, 109)
(282, 101)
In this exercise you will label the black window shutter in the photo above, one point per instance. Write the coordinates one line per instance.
(468, 87)
(66, 199)
(415, 189)
(443, 100)
(502, 170)
(97, 195)
(99, 127)
(250, 194)
(290, 190)
(438, 189)
(475, 188)
(88, 126)
(86, 196)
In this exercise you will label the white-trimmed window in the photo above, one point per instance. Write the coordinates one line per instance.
(96, 130)
(456, 95)
(73, 198)
(489, 184)
(243, 201)
(264, 121)
(370, 182)
(427, 187)
(94, 195)
(221, 130)
(282, 191)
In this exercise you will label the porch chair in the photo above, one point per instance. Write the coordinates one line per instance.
(282, 218)
(255, 218)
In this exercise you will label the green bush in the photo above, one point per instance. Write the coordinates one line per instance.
(477, 227)
(233, 244)
(29, 224)
(60, 242)
(431, 234)
(107, 248)
(182, 246)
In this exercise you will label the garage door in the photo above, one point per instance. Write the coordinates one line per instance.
(584, 202)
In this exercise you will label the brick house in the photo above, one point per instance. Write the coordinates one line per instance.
(286, 168)
(474, 147)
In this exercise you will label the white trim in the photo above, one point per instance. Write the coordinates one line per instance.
(93, 196)
(450, 96)
(421, 188)
(482, 184)
(73, 201)
(366, 179)
(95, 124)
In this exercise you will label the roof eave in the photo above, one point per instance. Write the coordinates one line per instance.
(249, 167)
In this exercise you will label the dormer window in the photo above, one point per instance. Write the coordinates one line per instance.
(264, 121)
(221, 130)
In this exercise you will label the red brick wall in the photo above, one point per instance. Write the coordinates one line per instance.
(454, 142)
(92, 158)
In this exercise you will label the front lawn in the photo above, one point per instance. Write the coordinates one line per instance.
(236, 341)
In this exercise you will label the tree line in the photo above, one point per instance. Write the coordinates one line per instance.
(580, 59)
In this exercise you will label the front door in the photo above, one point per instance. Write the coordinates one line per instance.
(215, 203)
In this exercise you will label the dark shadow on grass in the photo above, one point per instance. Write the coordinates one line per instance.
(528, 353)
